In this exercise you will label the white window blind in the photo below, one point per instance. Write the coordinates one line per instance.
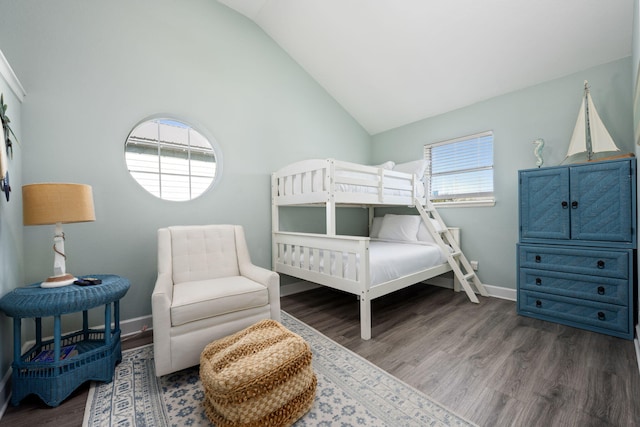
(461, 169)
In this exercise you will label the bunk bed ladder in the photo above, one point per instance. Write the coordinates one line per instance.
(459, 264)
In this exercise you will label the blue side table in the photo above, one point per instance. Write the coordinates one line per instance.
(98, 350)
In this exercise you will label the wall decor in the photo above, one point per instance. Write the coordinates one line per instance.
(537, 151)
(6, 148)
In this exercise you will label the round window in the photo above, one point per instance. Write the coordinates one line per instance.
(171, 160)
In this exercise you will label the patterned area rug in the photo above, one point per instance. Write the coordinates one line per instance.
(351, 392)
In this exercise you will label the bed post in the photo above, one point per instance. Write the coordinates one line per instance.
(330, 213)
(275, 220)
(365, 296)
(365, 315)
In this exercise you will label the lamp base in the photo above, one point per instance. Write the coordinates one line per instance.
(58, 281)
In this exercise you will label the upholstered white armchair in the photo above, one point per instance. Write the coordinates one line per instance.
(207, 288)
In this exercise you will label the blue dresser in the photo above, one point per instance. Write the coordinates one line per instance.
(576, 255)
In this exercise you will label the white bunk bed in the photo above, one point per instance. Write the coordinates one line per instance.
(345, 262)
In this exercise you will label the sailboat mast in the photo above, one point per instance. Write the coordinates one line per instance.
(587, 130)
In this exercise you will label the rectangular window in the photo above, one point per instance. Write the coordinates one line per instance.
(460, 171)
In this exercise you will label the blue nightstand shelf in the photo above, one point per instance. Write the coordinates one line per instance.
(98, 350)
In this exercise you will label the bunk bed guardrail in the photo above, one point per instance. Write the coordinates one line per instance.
(332, 181)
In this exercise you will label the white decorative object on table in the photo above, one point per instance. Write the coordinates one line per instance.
(539, 145)
(590, 139)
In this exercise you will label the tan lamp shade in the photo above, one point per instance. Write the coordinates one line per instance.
(52, 203)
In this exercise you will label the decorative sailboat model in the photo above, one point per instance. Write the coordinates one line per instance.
(590, 140)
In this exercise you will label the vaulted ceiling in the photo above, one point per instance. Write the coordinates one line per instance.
(393, 62)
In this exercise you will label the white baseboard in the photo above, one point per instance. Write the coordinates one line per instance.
(500, 292)
(134, 326)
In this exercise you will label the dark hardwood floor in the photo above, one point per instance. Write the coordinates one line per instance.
(482, 361)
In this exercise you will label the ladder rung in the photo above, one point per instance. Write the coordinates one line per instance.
(456, 254)
(469, 276)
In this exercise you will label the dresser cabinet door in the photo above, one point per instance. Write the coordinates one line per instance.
(601, 202)
(588, 203)
(544, 204)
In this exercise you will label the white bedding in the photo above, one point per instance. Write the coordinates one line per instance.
(388, 260)
(313, 181)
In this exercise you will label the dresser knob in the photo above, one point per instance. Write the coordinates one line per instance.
(538, 258)
(600, 290)
(600, 264)
(565, 205)
(601, 315)
(538, 281)
(538, 303)
(574, 205)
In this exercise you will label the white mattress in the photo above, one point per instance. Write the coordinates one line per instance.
(390, 260)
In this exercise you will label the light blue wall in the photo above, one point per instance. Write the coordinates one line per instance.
(549, 111)
(635, 49)
(11, 240)
(635, 45)
(92, 70)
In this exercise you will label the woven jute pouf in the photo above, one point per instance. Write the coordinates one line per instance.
(260, 376)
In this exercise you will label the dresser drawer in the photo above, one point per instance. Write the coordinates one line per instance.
(575, 312)
(595, 288)
(593, 262)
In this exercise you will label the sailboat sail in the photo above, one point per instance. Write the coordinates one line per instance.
(579, 136)
(601, 141)
(590, 134)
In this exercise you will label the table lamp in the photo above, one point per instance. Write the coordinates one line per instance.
(57, 203)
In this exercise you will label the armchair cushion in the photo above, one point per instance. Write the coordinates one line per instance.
(202, 299)
(203, 252)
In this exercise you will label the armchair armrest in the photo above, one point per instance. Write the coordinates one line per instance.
(259, 274)
(161, 301)
(161, 315)
(268, 278)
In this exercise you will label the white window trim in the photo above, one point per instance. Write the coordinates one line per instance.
(488, 202)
